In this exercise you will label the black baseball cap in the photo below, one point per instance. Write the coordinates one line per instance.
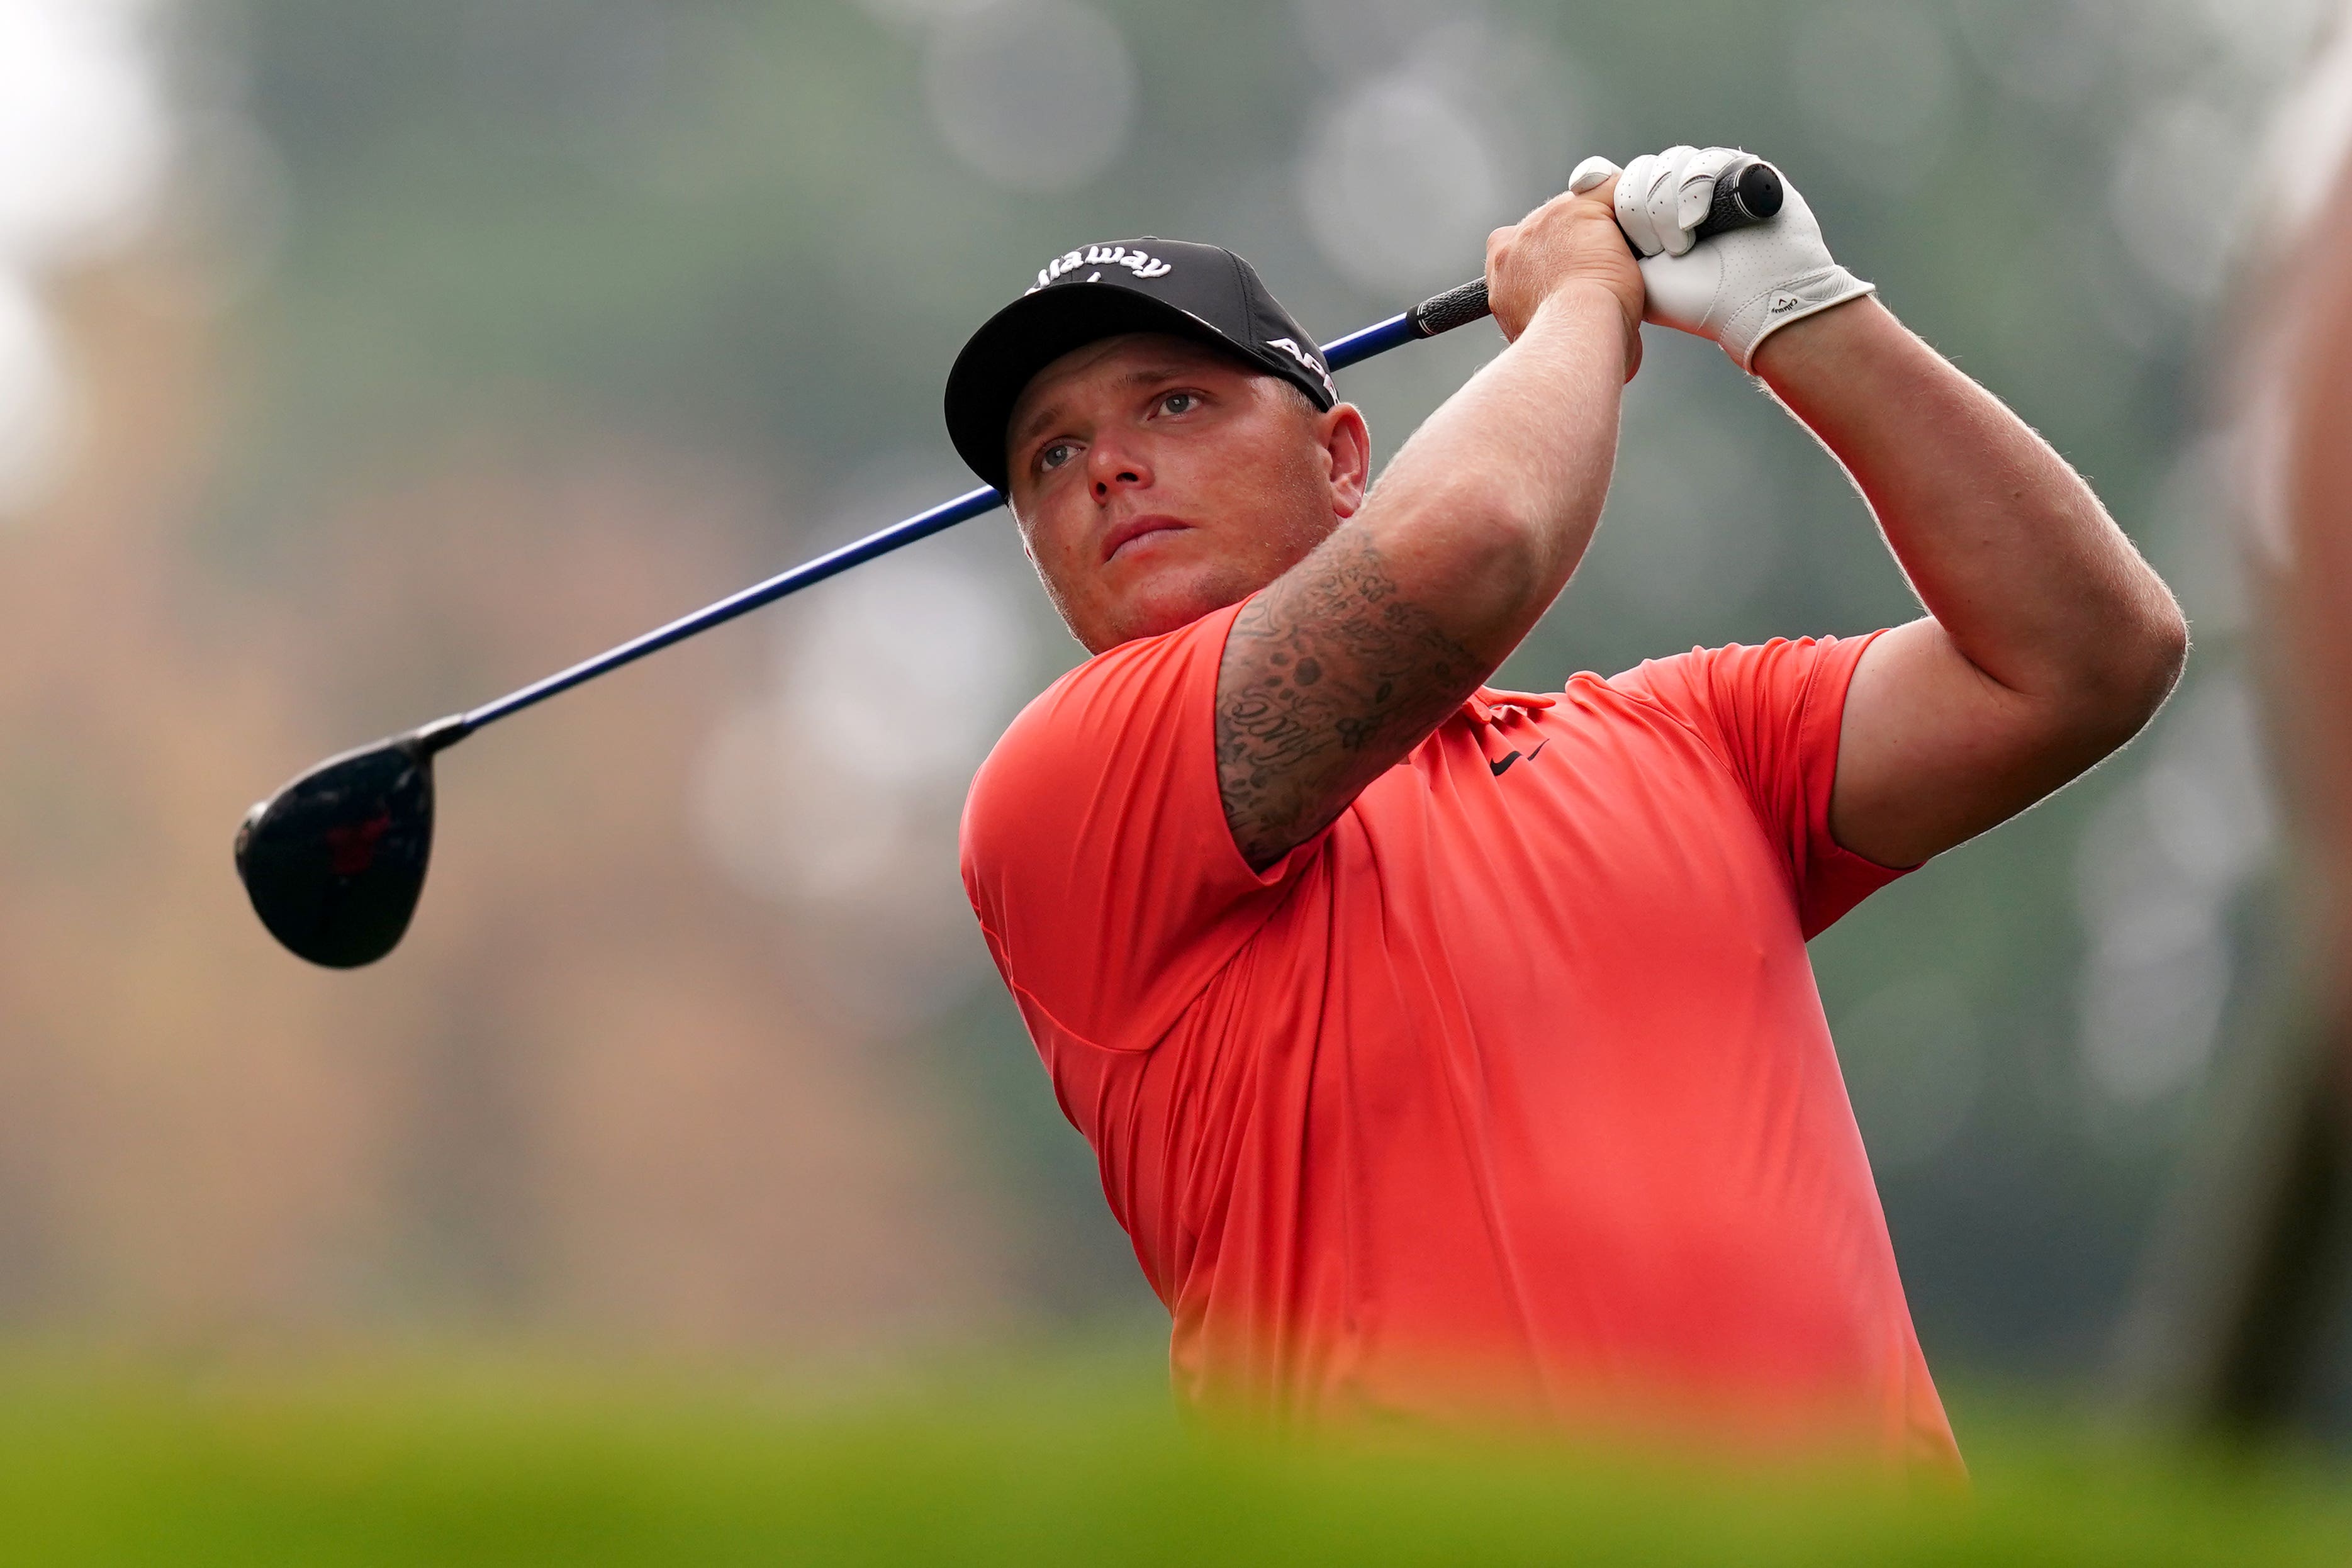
(1205, 292)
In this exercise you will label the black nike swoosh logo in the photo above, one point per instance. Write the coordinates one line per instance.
(1498, 767)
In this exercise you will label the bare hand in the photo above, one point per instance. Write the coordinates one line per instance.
(1571, 241)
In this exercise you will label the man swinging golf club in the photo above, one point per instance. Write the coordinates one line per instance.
(1452, 1055)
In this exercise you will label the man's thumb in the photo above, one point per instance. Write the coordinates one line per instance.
(1594, 171)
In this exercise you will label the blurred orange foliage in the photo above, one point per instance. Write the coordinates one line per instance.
(584, 1097)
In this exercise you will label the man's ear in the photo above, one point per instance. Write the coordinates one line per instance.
(1347, 443)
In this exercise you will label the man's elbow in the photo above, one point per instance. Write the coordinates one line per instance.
(1496, 557)
(2138, 666)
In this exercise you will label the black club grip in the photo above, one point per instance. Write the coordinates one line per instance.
(1457, 307)
(1749, 192)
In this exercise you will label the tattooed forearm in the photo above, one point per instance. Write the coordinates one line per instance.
(1330, 677)
(1340, 666)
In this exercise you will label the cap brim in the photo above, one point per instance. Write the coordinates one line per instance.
(1012, 346)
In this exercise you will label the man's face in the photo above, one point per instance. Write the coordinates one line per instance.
(1156, 480)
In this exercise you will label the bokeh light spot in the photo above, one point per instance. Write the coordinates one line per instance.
(1036, 95)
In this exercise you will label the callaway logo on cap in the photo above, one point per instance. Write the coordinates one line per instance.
(1203, 293)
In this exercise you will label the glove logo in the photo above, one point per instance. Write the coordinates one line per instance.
(1784, 303)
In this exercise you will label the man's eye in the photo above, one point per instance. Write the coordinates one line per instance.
(1055, 455)
(1180, 401)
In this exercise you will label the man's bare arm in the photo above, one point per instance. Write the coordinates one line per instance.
(1345, 662)
(2049, 641)
(1328, 676)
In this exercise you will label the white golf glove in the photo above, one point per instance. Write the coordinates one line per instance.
(1736, 287)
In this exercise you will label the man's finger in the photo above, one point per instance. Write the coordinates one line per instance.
(1632, 204)
(1603, 189)
(1662, 199)
(1696, 197)
(1594, 171)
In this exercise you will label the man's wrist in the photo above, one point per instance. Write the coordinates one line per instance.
(1817, 343)
(1847, 372)
(1588, 300)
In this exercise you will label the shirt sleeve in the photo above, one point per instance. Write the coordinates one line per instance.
(1772, 715)
(1096, 850)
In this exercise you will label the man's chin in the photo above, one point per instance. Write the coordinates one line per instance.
(1168, 600)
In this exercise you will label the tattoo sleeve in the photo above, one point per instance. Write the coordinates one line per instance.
(1330, 677)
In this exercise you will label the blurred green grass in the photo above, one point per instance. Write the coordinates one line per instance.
(529, 1458)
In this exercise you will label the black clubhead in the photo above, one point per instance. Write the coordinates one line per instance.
(335, 861)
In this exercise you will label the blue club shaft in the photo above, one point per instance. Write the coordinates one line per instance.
(1352, 349)
(922, 525)
(1746, 193)
(1360, 345)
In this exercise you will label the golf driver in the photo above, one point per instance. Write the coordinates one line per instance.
(335, 861)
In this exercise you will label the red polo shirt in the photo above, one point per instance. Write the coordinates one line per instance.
(1508, 1095)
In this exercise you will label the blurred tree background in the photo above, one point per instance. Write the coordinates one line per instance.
(433, 345)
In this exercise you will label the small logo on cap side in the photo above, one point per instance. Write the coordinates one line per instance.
(1290, 346)
(1141, 263)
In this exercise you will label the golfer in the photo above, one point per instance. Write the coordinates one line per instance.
(1452, 1055)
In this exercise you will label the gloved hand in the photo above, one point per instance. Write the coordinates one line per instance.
(1738, 286)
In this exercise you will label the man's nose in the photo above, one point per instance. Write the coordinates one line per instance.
(1112, 467)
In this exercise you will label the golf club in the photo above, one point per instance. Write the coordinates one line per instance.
(335, 861)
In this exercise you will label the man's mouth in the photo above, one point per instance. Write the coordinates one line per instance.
(1122, 534)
